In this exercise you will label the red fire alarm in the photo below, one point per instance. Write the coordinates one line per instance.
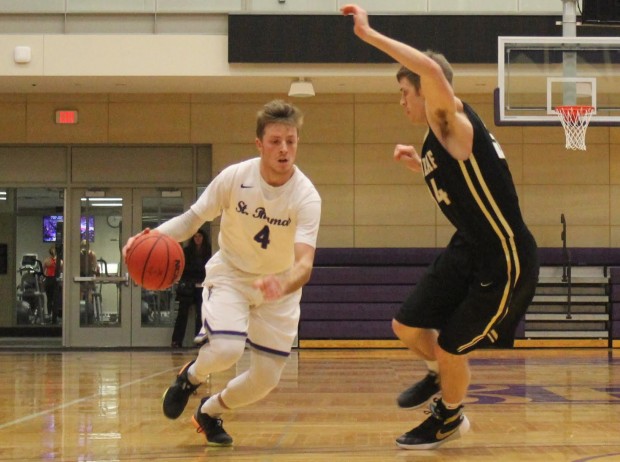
(66, 117)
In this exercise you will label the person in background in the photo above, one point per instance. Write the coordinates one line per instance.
(88, 268)
(52, 267)
(189, 289)
(477, 290)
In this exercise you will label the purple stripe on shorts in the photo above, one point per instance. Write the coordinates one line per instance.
(269, 350)
(224, 332)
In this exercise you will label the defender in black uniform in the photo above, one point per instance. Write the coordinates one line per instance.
(479, 287)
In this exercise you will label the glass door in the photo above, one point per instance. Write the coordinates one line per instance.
(113, 310)
(155, 311)
(98, 286)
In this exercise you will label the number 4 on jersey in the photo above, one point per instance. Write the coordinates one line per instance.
(439, 194)
(262, 237)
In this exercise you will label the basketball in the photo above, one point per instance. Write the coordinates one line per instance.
(155, 261)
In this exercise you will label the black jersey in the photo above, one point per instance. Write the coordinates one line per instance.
(477, 195)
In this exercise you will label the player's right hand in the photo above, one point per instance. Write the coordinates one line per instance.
(408, 156)
(127, 246)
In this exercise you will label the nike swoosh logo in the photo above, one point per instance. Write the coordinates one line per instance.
(244, 186)
(441, 435)
(486, 284)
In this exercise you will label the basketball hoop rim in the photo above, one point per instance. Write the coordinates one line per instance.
(574, 109)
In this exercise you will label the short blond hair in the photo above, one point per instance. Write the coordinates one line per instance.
(280, 112)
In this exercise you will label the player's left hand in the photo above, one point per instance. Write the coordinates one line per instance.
(270, 286)
(360, 19)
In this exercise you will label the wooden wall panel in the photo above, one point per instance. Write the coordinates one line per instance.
(395, 236)
(585, 205)
(223, 123)
(384, 123)
(336, 236)
(158, 122)
(337, 204)
(577, 235)
(387, 205)
(166, 165)
(614, 163)
(45, 165)
(346, 148)
(327, 163)
(552, 164)
(12, 122)
(374, 164)
(92, 126)
(327, 123)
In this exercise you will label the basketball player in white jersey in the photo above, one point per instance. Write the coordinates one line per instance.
(479, 287)
(270, 213)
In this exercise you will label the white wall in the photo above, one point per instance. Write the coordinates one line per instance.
(280, 7)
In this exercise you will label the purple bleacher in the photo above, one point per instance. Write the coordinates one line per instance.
(354, 292)
(614, 296)
(349, 330)
(374, 256)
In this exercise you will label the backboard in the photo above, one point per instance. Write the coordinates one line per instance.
(537, 74)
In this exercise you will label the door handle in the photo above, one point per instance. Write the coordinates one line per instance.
(104, 279)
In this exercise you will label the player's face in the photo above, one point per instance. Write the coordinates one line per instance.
(412, 102)
(278, 150)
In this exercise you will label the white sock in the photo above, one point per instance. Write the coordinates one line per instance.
(213, 407)
(432, 366)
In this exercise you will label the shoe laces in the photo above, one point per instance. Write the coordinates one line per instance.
(213, 423)
(187, 385)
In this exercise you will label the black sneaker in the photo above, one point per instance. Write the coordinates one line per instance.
(419, 393)
(441, 426)
(212, 428)
(177, 395)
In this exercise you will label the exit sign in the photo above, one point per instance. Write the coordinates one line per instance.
(66, 117)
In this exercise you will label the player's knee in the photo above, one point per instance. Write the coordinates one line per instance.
(401, 330)
(221, 353)
(227, 350)
(409, 335)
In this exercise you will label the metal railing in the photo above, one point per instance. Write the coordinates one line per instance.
(566, 268)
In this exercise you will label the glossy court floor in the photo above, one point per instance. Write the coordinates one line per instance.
(332, 405)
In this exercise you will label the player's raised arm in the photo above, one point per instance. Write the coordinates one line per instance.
(442, 108)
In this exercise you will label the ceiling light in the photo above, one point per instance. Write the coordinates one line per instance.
(301, 88)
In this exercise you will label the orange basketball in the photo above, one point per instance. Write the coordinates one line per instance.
(155, 261)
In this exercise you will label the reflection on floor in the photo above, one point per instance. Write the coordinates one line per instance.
(331, 405)
(30, 342)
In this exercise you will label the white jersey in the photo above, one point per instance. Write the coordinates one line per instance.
(260, 223)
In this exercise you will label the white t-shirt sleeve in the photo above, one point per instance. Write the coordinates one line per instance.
(308, 221)
(208, 206)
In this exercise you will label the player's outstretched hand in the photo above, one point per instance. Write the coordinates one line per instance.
(360, 18)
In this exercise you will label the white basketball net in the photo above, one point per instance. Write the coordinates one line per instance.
(575, 120)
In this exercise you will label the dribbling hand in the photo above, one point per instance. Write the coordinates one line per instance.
(130, 241)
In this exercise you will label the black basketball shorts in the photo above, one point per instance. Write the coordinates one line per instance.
(474, 299)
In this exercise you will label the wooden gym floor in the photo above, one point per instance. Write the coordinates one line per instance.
(332, 405)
